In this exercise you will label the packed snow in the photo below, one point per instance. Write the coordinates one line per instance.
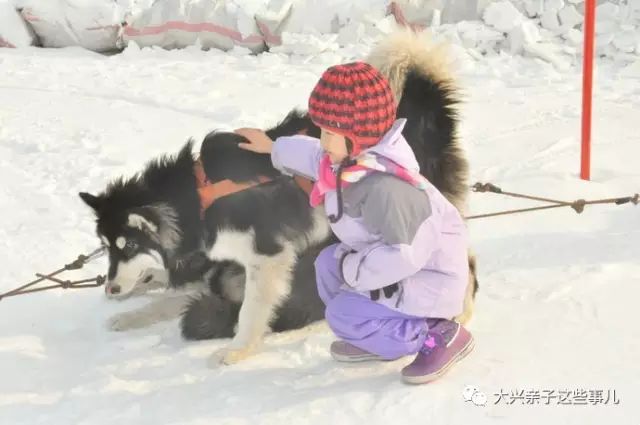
(557, 289)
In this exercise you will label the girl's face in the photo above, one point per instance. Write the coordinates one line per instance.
(334, 145)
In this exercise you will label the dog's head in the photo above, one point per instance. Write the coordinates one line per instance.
(139, 241)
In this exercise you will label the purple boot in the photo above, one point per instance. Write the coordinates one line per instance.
(447, 342)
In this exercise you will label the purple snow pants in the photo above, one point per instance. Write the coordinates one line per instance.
(362, 322)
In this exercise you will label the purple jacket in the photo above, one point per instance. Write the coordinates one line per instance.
(400, 234)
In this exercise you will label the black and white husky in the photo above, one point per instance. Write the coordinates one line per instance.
(247, 265)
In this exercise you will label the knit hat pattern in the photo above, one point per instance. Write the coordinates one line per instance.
(353, 100)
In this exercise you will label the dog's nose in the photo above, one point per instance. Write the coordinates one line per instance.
(114, 290)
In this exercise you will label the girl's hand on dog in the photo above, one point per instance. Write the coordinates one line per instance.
(259, 142)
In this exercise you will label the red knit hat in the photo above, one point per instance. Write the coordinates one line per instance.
(355, 101)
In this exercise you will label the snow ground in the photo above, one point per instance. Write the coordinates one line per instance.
(558, 289)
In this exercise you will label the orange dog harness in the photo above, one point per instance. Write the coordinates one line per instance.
(211, 192)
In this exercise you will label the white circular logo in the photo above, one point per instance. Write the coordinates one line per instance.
(474, 395)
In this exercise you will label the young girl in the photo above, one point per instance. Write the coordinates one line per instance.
(400, 271)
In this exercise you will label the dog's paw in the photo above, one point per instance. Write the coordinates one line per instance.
(126, 321)
(234, 356)
(228, 356)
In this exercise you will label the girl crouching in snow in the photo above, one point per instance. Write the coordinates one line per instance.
(400, 271)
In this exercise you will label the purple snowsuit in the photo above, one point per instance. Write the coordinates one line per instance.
(390, 232)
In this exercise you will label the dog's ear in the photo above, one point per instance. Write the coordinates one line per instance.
(143, 219)
(159, 221)
(93, 201)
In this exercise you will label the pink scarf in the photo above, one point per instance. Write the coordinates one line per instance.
(366, 164)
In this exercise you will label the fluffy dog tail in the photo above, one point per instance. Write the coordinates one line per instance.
(209, 316)
(428, 96)
(214, 314)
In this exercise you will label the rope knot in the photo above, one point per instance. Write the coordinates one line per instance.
(486, 187)
(77, 264)
(65, 284)
(578, 205)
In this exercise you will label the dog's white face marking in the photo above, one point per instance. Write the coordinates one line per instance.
(105, 241)
(131, 275)
(121, 242)
(139, 222)
(169, 233)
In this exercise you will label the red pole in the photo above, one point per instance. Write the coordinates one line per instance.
(587, 87)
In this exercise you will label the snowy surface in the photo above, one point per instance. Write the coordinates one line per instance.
(557, 307)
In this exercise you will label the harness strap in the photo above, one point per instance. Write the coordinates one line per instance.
(210, 192)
